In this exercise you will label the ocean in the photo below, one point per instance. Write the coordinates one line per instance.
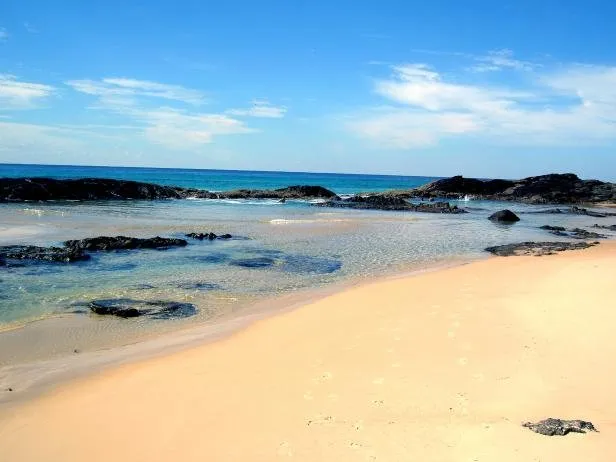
(279, 249)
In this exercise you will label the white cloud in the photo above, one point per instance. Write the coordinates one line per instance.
(260, 108)
(4, 35)
(15, 94)
(575, 105)
(128, 88)
(17, 138)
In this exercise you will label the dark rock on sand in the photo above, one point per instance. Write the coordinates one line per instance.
(393, 202)
(254, 262)
(552, 427)
(43, 254)
(504, 216)
(208, 236)
(129, 308)
(537, 249)
(544, 189)
(106, 243)
(575, 233)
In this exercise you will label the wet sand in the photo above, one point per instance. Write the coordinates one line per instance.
(440, 366)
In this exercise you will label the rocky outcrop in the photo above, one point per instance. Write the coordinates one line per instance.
(553, 427)
(208, 236)
(575, 233)
(504, 216)
(574, 210)
(84, 189)
(545, 189)
(393, 202)
(129, 308)
(537, 249)
(41, 254)
(107, 243)
(290, 192)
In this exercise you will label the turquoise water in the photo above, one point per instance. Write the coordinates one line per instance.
(221, 180)
(303, 247)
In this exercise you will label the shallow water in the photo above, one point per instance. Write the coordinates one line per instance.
(279, 249)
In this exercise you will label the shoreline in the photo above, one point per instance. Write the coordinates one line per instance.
(443, 365)
(40, 376)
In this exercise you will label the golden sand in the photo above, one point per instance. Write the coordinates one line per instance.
(442, 366)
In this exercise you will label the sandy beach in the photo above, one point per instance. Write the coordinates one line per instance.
(442, 366)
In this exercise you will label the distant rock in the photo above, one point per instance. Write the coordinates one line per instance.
(553, 427)
(393, 202)
(107, 243)
(41, 254)
(537, 249)
(98, 189)
(504, 216)
(544, 189)
(129, 308)
(575, 233)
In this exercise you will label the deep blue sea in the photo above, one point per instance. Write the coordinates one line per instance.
(221, 180)
(280, 249)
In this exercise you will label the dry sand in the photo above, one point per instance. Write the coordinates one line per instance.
(443, 366)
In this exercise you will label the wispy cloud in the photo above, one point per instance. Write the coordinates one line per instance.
(500, 59)
(173, 127)
(4, 35)
(30, 28)
(576, 104)
(260, 108)
(128, 88)
(15, 94)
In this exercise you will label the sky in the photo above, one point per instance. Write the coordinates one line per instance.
(479, 88)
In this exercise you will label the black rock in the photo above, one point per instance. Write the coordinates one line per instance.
(537, 249)
(43, 254)
(225, 236)
(202, 236)
(393, 202)
(504, 216)
(576, 233)
(129, 308)
(544, 189)
(290, 192)
(106, 243)
(552, 427)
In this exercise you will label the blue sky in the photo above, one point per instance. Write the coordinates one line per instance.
(480, 88)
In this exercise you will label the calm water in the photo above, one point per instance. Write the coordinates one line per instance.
(300, 246)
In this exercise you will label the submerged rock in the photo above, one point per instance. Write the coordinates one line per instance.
(575, 233)
(106, 243)
(43, 254)
(199, 286)
(253, 262)
(504, 216)
(537, 249)
(552, 427)
(574, 211)
(129, 308)
(208, 236)
(609, 227)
